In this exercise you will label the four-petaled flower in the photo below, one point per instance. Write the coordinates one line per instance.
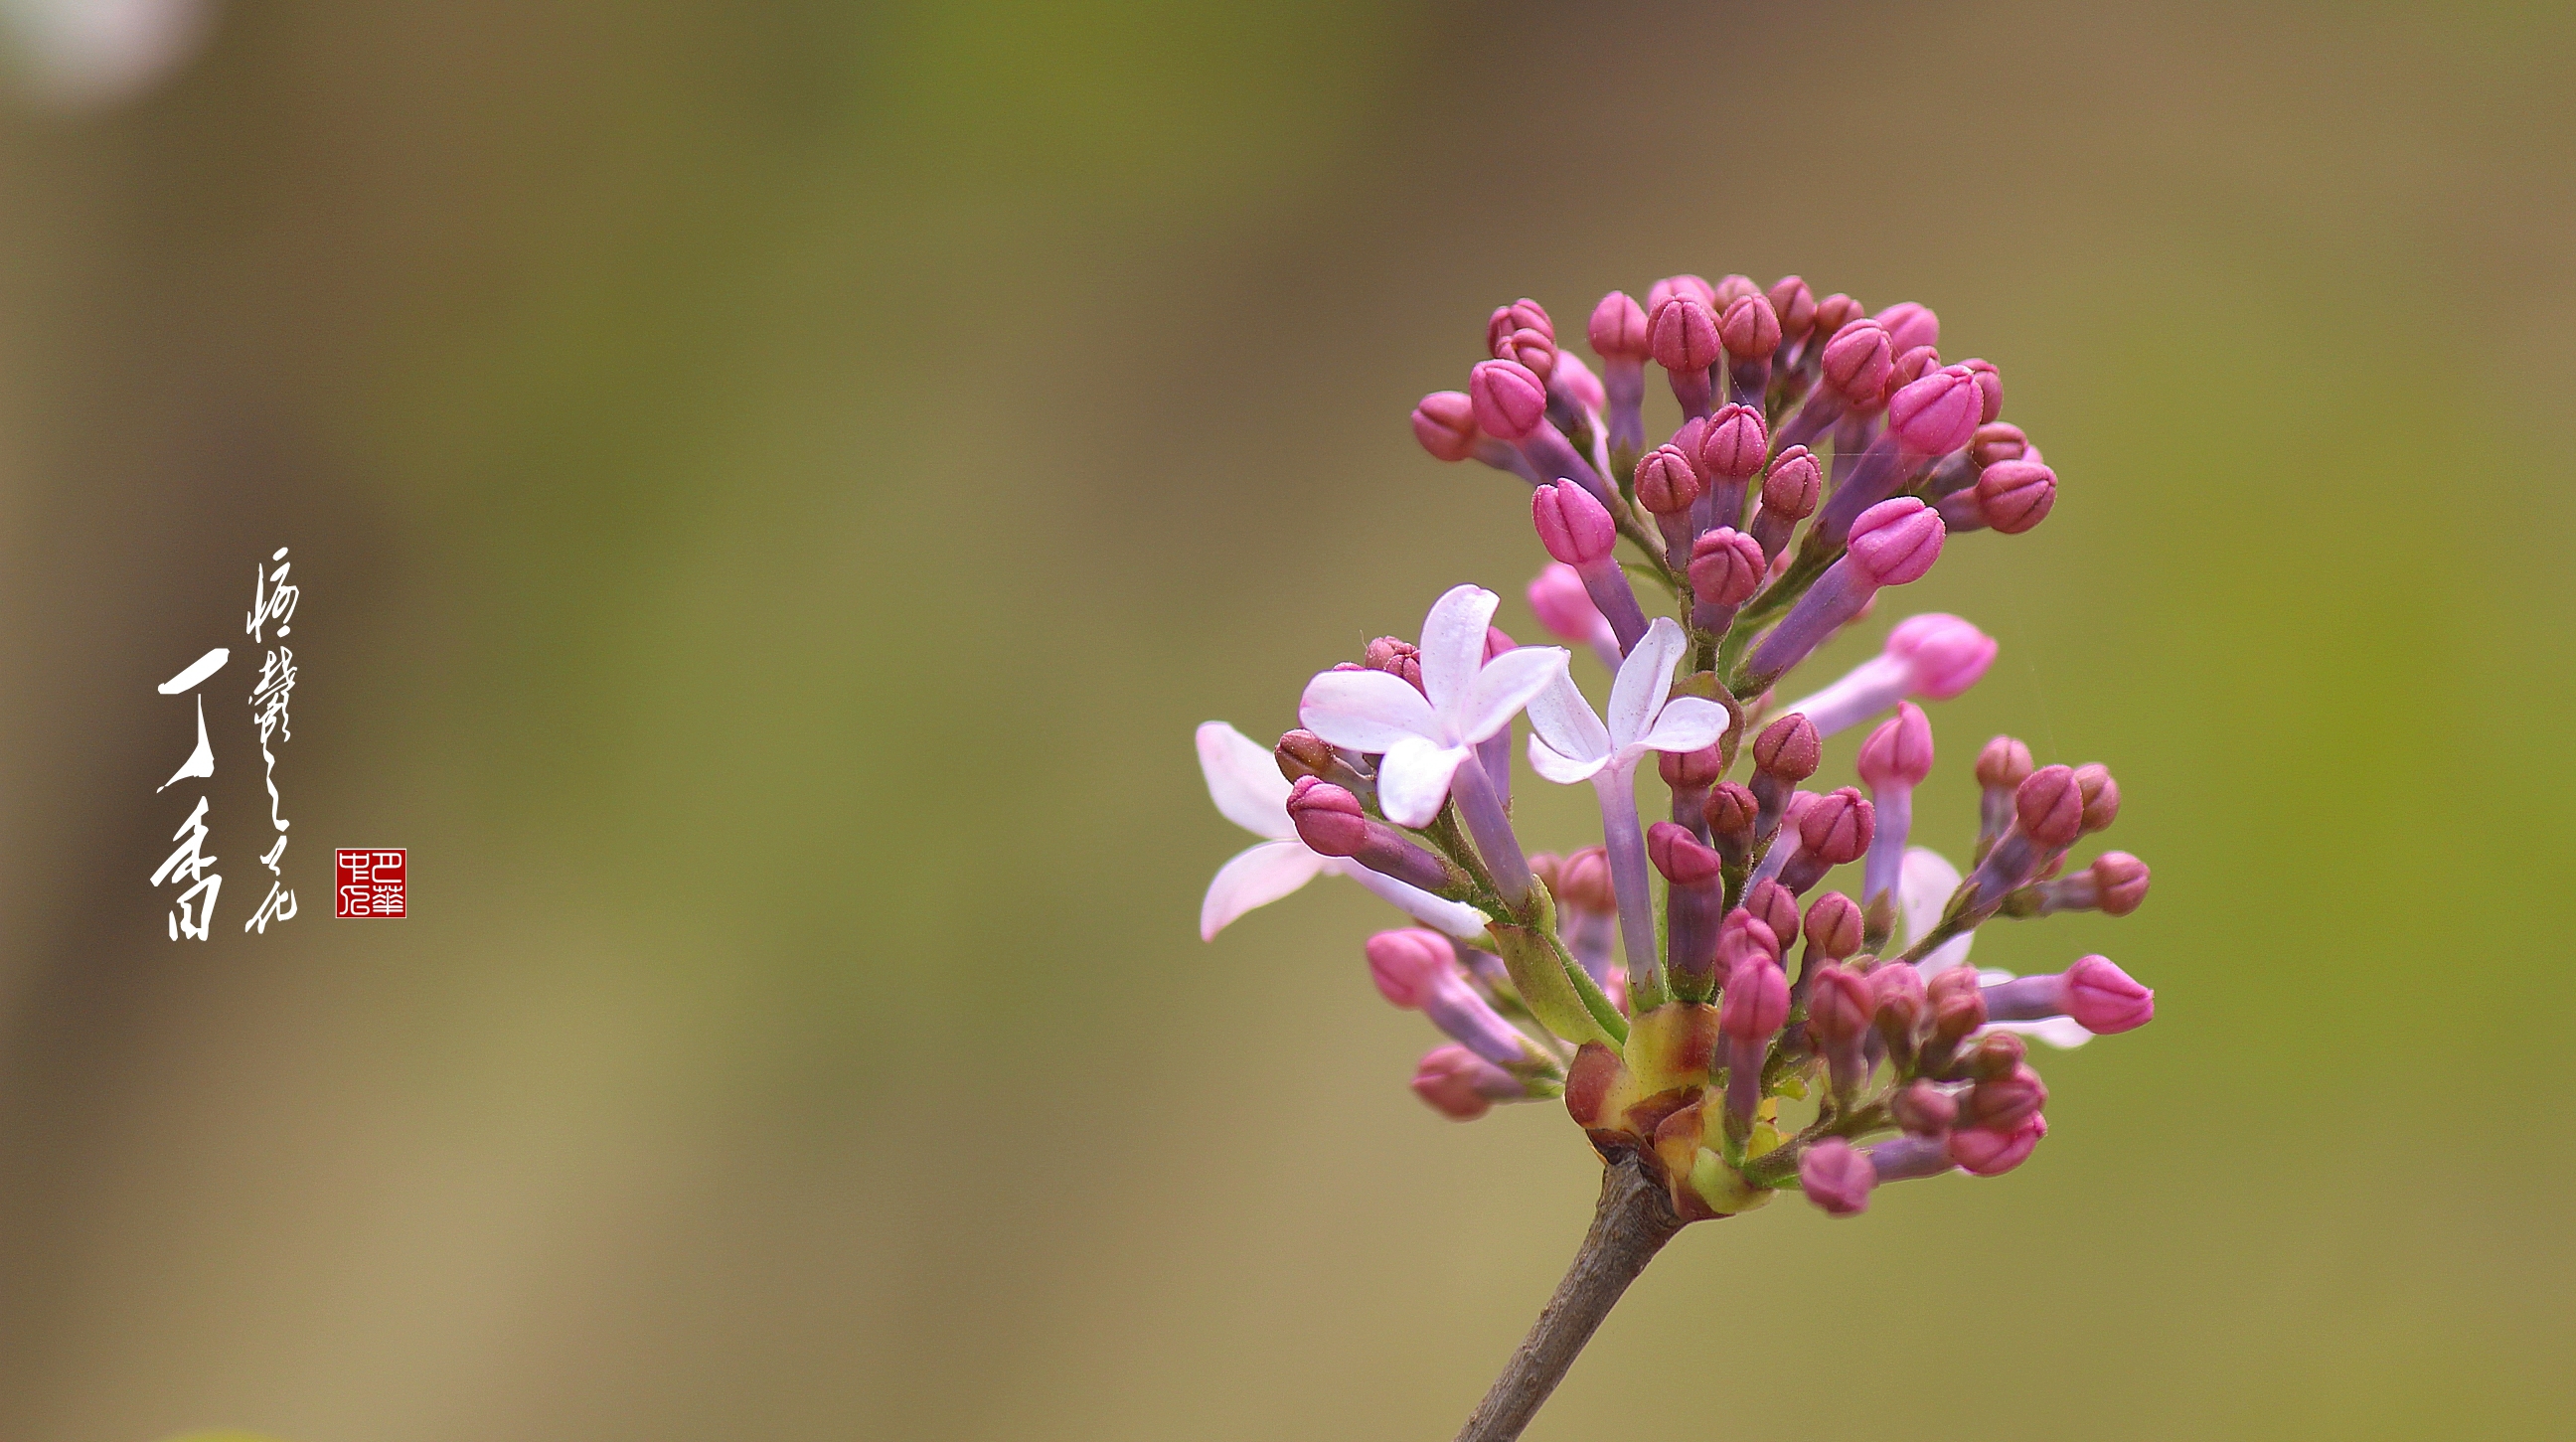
(1247, 788)
(1572, 745)
(1425, 735)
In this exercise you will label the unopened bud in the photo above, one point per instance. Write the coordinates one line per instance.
(1691, 770)
(1794, 305)
(1679, 855)
(1683, 334)
(1406, 965)
(1726, 567)
(1303, 753)
(1587, 882)
(1730, 813)
(1839, 1004)
(1756, 1001)
(1795, 484)
(1522, 314)
(1987, 1153)
(1836, 1177)
(1836, 311)
(1510, 401)
(1533, 350)
(1666, 482)
(1772, 904)
(1673, 285)
(1990, 389)
(1995, 1054)
(1895, 542)
(2101, 796)
(1789, 748)
(1742, 935)
(1910, 325)
(1445, 424)
(2104, 999)
(1957, 1006)
(1461, 1085)
(1328, 819)
(1749, 327)
(1996, 442)
(1574, 527)
(2013, 496)
(1834, 925)
(2050, 807)
(2004, 764)
(2119, 882)
(1898, 754)
(1937, 414)
(1898, 997)
(1617, 329)
(1857, 361)
(1396, 657)
(1908, 367)
(1732, 444)
(1837, 828)
(1922, 1109)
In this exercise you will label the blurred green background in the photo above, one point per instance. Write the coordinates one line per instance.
(776, 486)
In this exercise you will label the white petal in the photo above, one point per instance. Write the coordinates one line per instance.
(2061, 1032)
(1563, 770)
(1687, 723)
(1255, 877)
(1450, 918)
(1564, 720)
(1243, 780)
(1507, 684)
(1414, 779)
(1365, 710)
(1453, 644)
(1645, 679)
(1923, 886)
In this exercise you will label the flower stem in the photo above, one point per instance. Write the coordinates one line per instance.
(1631, 1224)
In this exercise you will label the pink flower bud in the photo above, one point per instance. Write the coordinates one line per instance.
(1836, 1177)
(1909, 325)
(1839, 1003)
(1837, 828)
(1618, 329)
(1857, 361)
(1896, 541)
(1732, 444)
(1741, 936)
(2004, 765)
(1772, 904)
(1756, 1002)
(1834, 925)
(1909, 366)
(1689, 285)
(1303, 753)
(2103, 999)
(2050, 807)
(1728, 290)
(1794, 486)
(2001, 1103)
(1899, 753)
(2101, 796)
(1574, 527)
(1690, 770)
(1957, 1002)
(1533, 350)
(1987, 1153)
(1836, 311)
(1990, 390)
(1497, 641)
(1461, 1085)
(1683, 334)
(1789, 748)
(1667, 484)
(1328, 819)
(1944, 654)
(1679, 856)
(1510, 401)
(1997, 441)
(1749, 327)
(1794, 304)
(2014, 496)
(1407, 964)
(1730, 811)
(1565, 608)
(1396, 657)
(1726, 567)
(1577, 380)
(1923, 1109)
(1937, 414)
(1587, 882)
(1522, 314)
(1997, 1052)
(2119, 882)
(1897, 996)
(1445, 424)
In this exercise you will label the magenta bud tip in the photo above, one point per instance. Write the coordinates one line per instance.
(1794, 486)
(1565, 608)
(1909, 325)
(1838, 827)
(1693, 770)
(2004, 764)
(1726, 567)
(1510, 401)
(1679, 855)
(1749, 326)
(1683, 334)
(2102, 998)
(2119, 882)
(1988, 1153)
(1839, 1003)
(1924, 1110)
(1834, 925)
(1946, 654)
(1407, 964)
(1587, 885)
(1535, 352)
(2014, 496)
(1756, 1001)
(1733, 443)
(1896, 541)
(1667, 483)
(1857, 361)
(2050, 806)
(1617, 329)
(1459, 1084)
(1789, 748)
(1990, 390)
(1445, 424)
(1794, 304)
(1575, 528)
(1731, 809)
(1897, 994)
(1522, 314)
(2101, 796)
(1689, 285)
(1776, 908)
(1998, 441)
(1937, 414)
(1836, 1177)
(1899, 753)
(1328, 819)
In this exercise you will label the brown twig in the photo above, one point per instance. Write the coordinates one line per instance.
(1631, 1224)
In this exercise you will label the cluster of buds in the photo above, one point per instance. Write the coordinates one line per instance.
(1695, 988)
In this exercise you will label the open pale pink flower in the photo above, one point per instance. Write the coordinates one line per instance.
(1248, 790)
(1573, 745)
(1931, 657)
(1923, 888)
(1425, 735)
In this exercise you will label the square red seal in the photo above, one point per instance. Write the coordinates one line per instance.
(371, 883)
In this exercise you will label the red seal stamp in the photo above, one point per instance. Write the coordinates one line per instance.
(371, 883)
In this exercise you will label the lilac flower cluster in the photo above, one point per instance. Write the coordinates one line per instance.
(1822, 456)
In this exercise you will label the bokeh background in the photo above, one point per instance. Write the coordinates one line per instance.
(775, 487)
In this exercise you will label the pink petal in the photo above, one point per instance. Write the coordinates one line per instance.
(1507, 684)
(1414, 779)
(1450, 918)
(1255, 877)
(1453, 643)
(1645, 679)
(1564, 721)
(1365, 710)
(1686, 724)
(1243, 780)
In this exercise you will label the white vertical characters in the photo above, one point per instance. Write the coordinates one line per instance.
(193, 913)
(272, 599)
